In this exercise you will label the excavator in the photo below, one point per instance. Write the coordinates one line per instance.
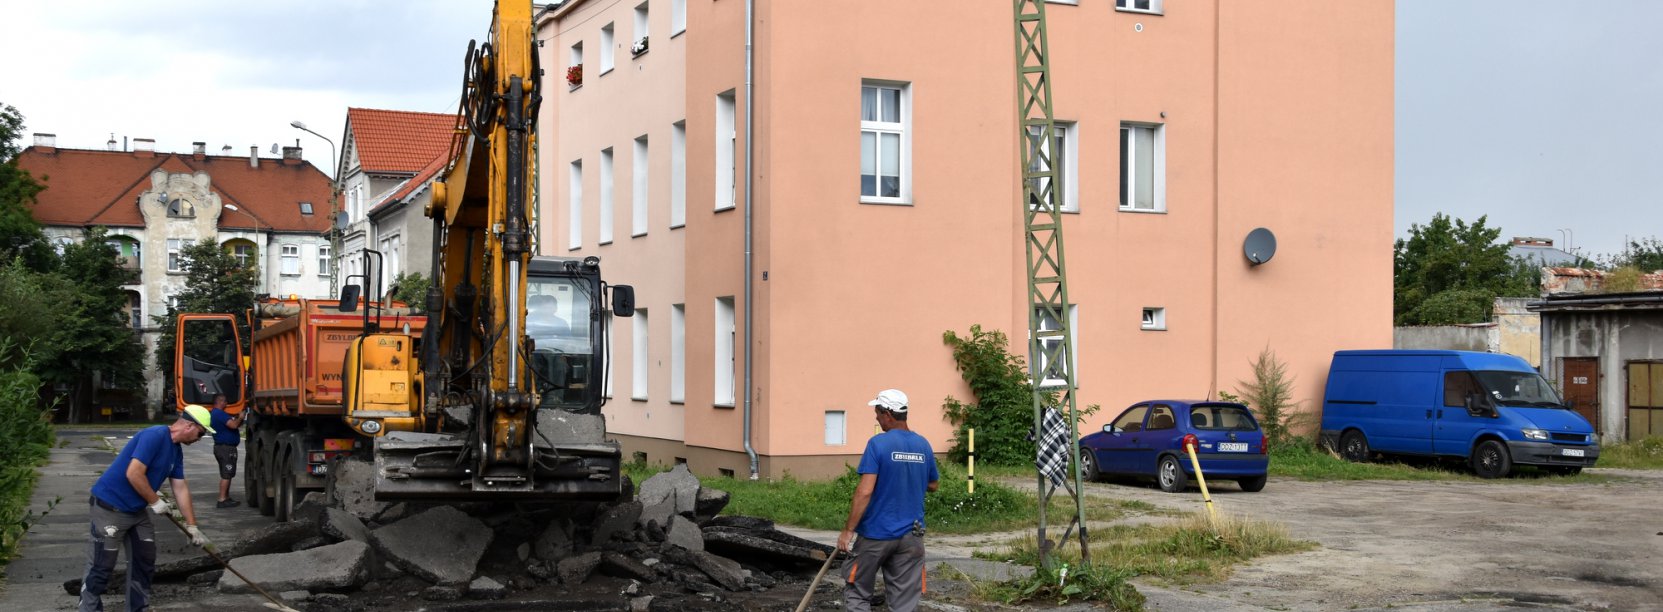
(492, 393)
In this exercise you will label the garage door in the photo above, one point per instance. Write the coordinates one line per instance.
(1645, 399)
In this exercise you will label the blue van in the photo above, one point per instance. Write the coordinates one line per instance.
(1493, 410)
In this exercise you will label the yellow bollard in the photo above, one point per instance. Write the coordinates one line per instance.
(1202, 480)
(972, 478)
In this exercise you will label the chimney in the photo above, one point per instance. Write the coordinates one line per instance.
(253, 156)
(46, 143)
(144, 147)
(199, 150)
(291, 154)
(110, 146)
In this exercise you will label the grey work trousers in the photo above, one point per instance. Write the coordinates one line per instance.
(902, 563)
(110, 529)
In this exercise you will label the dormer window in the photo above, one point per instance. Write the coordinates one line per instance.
(180, 207)
(306, 208)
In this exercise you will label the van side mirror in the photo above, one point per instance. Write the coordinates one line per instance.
(349, 298)
(1479, 404)
(1570, 404)
(623, 301)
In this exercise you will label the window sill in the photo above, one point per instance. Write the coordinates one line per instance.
(727, 207)
(638, 399)
(728, 406)
(574, 249)
(678, 226)
(604, 242)
(638, 55)
(678, 402)
(287, 275)
(605, 72)
(885, 202)
(678, 32)
(574, 86)
(1153, 329)
(1138, 11)
(1143, 211)
(637, 235)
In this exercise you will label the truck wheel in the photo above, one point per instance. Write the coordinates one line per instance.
(1354, 447)
(285, 496)
(1490, 460)
(1171, 475)
(251, 479)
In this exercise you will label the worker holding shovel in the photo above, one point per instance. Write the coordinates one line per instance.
(123, 499)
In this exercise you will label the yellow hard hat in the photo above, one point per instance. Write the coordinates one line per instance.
(200, 416)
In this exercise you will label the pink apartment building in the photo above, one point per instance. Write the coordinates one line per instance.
(883, 203)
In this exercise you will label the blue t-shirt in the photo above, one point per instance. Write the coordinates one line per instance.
(222, 433)
(905, 466)
(162, 459)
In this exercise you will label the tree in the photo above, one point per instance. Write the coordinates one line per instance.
(92, 333)
(411, 288)
(1450, 272)
(215, 281)
(20, 234)
(1645, 255)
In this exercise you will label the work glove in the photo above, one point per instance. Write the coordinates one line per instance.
(197, 539)
(161, 507)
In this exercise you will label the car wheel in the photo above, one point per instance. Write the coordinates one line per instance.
(1354, 447)
(1171, 475)
(1088, 467)
(1566, 470)
(1490, 460)
(1254, 484)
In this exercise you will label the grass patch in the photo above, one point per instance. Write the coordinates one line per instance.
(1189, 550)
(1304, 460)
(824, 504)
(1070, 582)
(1642, 454)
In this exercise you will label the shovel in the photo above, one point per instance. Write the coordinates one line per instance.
(272, 602)
(816, 582)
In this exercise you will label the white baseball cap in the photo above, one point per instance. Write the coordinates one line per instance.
(892, 400)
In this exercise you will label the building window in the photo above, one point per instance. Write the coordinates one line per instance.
(638, 188)
(638, 356)
(606, 196)
(1154, 318)
(326, 263)
(244, 254)
(135, 310)
(574, 67)
(639, 46)
(836, 429)
(678, 174)
(884, 115)
(175, 259)
(678, 353)
(1060, 151)
(678, 17)
(1140, 6)
(128, 253)
(723, 362)
(1142, 167)
(306, 208)
(180, 207)
(727, 139)
(1043, 346)
(291, 259)
(607, 51)
(574, 206)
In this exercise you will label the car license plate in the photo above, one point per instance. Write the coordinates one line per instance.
(1571, 452)
(1236, 447)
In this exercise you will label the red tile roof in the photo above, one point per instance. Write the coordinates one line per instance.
(398, 142)
(91, 187)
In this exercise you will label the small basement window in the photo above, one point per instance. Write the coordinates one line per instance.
(1154, 318)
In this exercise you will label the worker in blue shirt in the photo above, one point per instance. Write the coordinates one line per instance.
(226, 438)
(121, 496)
(887, 513)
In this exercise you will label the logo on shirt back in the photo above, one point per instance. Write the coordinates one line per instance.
(906, 457)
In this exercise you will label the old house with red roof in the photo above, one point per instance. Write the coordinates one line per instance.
(270, 212)
(389, 161)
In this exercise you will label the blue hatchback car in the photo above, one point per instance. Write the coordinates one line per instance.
(1147, 440)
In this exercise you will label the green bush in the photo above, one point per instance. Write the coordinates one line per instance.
(26, 437)
(1270, 395)
(1003, 414)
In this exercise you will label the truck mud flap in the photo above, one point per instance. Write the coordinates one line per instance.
(429, 467)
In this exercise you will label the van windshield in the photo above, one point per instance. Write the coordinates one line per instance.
(1519, 389)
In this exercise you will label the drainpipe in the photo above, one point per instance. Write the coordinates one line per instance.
(750, 255)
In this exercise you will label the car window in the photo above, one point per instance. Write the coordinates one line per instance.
(1132, 419)
(1222, 418)
(1457, 386)
(1160, 417)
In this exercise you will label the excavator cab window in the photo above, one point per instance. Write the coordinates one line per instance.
(562, 323)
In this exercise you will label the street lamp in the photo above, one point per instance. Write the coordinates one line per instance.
(334, 205)
(332, 169)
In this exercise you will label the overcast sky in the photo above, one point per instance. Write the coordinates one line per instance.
(1541, 114)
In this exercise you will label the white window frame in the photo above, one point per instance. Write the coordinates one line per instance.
(640, 178)
(574, 206)
(1128, 171)
(1069, 195)
(1154, 318)
(725, 340)
(326, 260)
(837, 428)
(903, 128)
(678, 353)
(576, 57)
(678, 174)
(638, 356)
(606, 197)
(678, 17)
(1129, 6)
(291, 259)
(1073, 343)
(175, 255)
(608, 52)
(727, 147)
(643, 27)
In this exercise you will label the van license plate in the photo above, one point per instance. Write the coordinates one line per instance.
(1239, 447)
(1571, 452)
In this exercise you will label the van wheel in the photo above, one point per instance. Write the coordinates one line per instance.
(1171, 475)
(1490, 460)
(1254, 484)
(1088, 467)
(1354, 447)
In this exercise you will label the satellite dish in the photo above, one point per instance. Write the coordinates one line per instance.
(274, 148)
(341, 222)
(1260, 246)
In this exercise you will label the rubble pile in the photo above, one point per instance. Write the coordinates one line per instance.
(665, 549)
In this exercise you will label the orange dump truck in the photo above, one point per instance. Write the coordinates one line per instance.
(298, 352)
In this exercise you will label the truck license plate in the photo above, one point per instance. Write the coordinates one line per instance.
(1571, 452)
(1236, 447)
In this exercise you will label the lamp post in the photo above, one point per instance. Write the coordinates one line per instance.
(334, 206)
(259, 245)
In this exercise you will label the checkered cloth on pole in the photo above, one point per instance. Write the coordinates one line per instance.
(1053, 447)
